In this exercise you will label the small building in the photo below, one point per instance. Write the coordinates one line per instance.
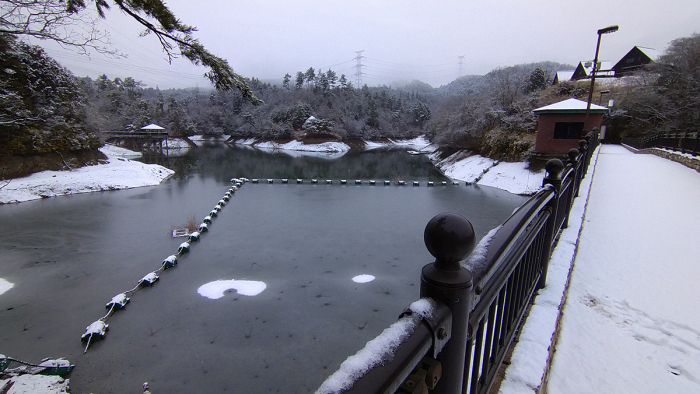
(561, 125)
(635, 59)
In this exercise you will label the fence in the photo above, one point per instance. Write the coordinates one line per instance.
(477, 296)
(684, 142)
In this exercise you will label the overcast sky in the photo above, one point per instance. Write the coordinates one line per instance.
(405, 39)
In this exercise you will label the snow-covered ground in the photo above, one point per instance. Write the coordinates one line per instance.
(513, 177)
(34, 384)
(329, 150)
(629, 321)
(118, 173)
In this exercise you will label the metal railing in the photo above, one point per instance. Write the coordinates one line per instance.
(684, 142)
(480, 294)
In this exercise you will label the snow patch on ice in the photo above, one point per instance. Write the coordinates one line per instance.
(217, 288)
(6, 285)
(363, 278)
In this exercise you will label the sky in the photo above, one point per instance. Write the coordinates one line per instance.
(400, 40)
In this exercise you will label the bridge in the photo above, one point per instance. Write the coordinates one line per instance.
(139, 140)
(605, 281)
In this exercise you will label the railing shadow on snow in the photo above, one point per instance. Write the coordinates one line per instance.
(473, 297)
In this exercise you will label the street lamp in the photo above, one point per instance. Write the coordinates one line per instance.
(606, 30)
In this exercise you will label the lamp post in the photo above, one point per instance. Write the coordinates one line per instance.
(606, 30)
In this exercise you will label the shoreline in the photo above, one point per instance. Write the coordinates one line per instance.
(122, 173)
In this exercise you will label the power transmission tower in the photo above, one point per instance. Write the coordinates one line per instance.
(461, 58)
(358, 69)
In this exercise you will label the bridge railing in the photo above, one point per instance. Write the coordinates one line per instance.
(684, 142)
(478, 295)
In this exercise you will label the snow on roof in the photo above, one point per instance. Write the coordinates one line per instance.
(152, 127)
(565, 75)
(652, 53)
(571, 105)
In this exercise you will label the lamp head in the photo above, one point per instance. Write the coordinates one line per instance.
(609, 29)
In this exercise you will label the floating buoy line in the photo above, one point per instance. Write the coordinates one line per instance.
(359, 182)
(98, 329)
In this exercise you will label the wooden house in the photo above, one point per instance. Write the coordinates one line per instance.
(634, 60)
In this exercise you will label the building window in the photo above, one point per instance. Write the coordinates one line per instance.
(568, 130)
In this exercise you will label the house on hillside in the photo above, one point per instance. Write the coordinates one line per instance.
(560, 126)
(563, 76)
(634, 60)
(584, 70)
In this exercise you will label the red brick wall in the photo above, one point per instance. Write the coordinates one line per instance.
(545, 142)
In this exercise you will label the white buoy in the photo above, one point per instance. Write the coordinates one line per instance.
(183, 248)
(431, 183)
(194, 237)
(329, 181)
(255, 180)
(443, 183)
(402, 183)
(358, 182)
(203, 228)
(285, 180)
(387, 183)
(149, 279)
(314, 181)
(119, 301)
(372, 182)
(343, 181)
(270, 180)
(416, 183)
(170, 261)
(300, 180)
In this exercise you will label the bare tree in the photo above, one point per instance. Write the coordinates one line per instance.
(71, 24)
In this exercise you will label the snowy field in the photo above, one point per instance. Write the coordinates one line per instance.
(118, 173)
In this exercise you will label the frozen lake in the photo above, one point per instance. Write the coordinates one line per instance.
(68, 256)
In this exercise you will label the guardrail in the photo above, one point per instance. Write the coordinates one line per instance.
(473, 297)
(684, 142)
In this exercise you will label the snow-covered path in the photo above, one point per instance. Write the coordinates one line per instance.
(630, 322)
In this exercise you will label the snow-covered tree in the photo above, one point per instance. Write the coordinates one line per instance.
(69, 23)
(41, 105)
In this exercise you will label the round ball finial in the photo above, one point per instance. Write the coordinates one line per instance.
(554, 167)
(573, 154)
(449, 238)
(582, 145)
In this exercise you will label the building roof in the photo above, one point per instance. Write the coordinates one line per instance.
(570, 106)
(152, 127)
(635, 59)
(563, 76)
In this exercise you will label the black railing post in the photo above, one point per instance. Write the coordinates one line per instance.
(554, 167)
(574, 161)
(450, 238)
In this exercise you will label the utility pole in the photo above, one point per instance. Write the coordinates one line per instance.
(461, 58)
(358, 69)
